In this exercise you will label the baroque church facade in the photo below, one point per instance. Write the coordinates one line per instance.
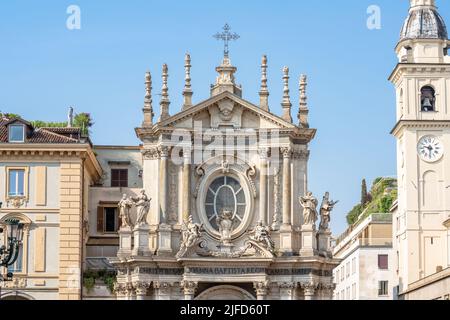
(225, 211)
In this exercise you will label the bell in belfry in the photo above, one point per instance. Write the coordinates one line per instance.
(426, 105)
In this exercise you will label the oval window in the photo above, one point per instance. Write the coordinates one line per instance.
(225, 193)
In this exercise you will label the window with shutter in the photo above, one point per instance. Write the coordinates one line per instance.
(119, 178)
(100, 221)
(383, 261)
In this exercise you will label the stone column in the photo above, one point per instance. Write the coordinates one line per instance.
(286, 187)
(186, 184)
(262, 289)
(309, 290)
(287, 290)
(163, 180)
(164, 229)
(286, 232)
(141, 290)
(189, 288)
(263, 212)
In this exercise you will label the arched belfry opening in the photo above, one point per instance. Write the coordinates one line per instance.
(428, 99)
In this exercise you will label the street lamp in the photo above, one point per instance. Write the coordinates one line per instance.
(9, 252)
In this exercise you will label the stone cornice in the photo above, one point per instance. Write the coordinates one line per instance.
(417, 68)
(166, 126)
(53, 152)
(420, 124)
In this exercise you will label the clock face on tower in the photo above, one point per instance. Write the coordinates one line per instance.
(430, 149)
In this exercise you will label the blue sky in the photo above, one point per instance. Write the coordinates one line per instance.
(44, 68)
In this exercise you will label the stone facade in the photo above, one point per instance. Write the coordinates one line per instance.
(224, 177)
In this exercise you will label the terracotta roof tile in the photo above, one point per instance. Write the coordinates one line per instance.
(44, 135)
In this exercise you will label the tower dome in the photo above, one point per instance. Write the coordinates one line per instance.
(424, 22)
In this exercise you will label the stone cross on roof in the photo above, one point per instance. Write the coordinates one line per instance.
(226, 36)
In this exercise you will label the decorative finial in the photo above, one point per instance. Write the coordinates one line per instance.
(187, 92)
(70, 118)
(148, 108)
(264, 93)
(303, 109)
(286, 104)
(226, 36)
(165, 102)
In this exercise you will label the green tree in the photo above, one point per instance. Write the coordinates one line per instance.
(9, 115)
(83, 121)
(353, 215)
(364, 197)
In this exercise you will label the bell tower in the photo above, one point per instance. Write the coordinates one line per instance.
(422, 84)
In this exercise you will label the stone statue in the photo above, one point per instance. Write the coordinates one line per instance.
(309, 204)
(225, 223)
(325, 211)
(142, 203)
(261, 234)
(125, 205)
(191, 233)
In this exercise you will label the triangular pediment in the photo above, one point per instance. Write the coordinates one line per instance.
(226, 110)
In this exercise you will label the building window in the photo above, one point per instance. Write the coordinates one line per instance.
(111, 220)
(337, 276)
(17, 266)
(427, 99)
(383, 261)
(383, 288)
(107, 219)
(16, 133)
(354, 291)
(225, 193)
(343, 273)
(348, 270)
(354, 265)
(119, 178)
(16, 182)
(20, 267)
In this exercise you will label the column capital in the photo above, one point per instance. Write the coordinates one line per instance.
(189, 287)
(130, 289)
(141, 287)
(150, 153)
(309, 287)
(164, 151)
(120, 289)
(287, 152)
(301, 154)
(261, 287)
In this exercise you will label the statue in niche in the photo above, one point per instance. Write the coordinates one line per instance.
(191, 234)
(125, 205)
(142, 203)
(225, 223)
(261, 234)
(309, 204)
(325, 211)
